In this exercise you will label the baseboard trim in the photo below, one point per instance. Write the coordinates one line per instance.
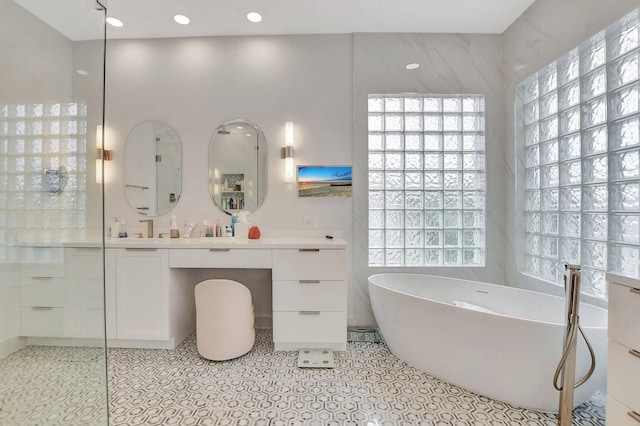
(11, 345)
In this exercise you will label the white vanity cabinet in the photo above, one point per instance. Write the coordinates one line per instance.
(309, 299)
(63, 296)
(623, 397)
(150, 297)
(149, 305)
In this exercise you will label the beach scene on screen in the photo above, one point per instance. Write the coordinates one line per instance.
(324, 181)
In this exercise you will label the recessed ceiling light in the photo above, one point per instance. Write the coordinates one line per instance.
(254, 17)
(114, 22)
(248, 134)
(181, 19)
(239, 127)
(412, 66)
(82, 72)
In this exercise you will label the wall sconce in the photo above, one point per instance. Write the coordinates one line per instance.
(101, 154)
(286, 153)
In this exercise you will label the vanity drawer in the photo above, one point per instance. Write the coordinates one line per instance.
(220, 258)
(309, 295)
(41, 270)
(624, 375)
(624, 315)
(619, 415)
(42, 322)
(309, 327)
(45, 291)
(309, 264)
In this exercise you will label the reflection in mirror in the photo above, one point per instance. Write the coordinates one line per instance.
(238, 167)
(153, 168)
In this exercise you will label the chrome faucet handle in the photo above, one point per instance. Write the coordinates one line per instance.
(162, 234)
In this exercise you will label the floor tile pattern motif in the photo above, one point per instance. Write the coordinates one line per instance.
(52, 385)
(369, 386)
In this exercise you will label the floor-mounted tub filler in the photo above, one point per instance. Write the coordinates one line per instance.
(498, 341)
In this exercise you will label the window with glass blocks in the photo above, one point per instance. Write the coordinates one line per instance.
(36, 139)
(581, 131)
(426, 165)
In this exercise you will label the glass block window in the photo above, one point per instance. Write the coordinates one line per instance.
(426, 180)
(580, 117)
(43, 152)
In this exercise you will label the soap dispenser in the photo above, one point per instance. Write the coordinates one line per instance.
(123, 229)
(173, 228)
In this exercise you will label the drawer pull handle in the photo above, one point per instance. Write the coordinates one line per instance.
(309, 281)
(141, 249)
(41, 278)
(635, 416)
(634, 353)
(635, 290)
(309, 312)
(309, 250)
(42, 308)
(219, 249)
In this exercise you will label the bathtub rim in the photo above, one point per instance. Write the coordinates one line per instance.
(462, 280)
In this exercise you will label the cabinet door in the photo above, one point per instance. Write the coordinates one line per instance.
(142, 294)
(110, 292)
(85, 292)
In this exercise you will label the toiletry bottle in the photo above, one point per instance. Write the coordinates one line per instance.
(173, 228)
(234, 220)
(123, 229)
(115, 228)
(231, 204)
(227, 231)
(218, 230)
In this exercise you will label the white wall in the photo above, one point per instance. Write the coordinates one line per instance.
(196, 84)
(546, 31)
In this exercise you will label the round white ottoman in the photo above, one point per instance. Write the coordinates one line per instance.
(224, 319)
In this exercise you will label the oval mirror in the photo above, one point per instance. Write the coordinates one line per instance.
(238, 167)
(153, 168)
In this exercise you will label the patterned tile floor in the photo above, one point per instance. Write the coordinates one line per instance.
(51, 385)
(369, 386)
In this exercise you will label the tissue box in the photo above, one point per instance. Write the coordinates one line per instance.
(241, 229)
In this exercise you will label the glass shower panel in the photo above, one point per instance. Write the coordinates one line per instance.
(52, 332)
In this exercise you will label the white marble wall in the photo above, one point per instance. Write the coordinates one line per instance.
(450, 63)
(546, 31)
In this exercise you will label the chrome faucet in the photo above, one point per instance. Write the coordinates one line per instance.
(149, 227)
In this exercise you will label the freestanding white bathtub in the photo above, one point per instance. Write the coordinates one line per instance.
(509, 355)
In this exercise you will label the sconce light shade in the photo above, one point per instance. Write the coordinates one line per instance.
(288, 134)
(101, 154)
(286, 153)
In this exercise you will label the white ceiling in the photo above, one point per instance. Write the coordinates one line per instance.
(77, 20)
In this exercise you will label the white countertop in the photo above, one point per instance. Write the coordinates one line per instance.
(228, 243)
(626, 281)
(270, 240)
